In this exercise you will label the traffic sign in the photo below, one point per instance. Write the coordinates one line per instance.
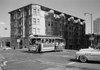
(18, 40)
(91, 38)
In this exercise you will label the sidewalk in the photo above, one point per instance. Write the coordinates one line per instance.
(68, 50)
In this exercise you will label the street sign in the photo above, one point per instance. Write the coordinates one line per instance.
(91, 38)
(18, 40)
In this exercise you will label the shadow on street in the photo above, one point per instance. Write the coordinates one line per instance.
(90, 62)
(74, 60)
(94, 62)
(32, 52)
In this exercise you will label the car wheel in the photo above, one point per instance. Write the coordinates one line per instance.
(83, 58)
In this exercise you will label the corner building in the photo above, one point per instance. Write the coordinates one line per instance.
(36, 20)
(75, 33)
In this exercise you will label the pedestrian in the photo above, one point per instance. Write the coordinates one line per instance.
(56, 46)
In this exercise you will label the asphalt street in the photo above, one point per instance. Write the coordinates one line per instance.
(21, 59)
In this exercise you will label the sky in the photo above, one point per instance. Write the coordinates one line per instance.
(73, 7)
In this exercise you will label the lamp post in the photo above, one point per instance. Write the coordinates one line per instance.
(91, 38)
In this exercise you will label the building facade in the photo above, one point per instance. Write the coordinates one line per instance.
(96, 26)
(35, 19)
(74, 34)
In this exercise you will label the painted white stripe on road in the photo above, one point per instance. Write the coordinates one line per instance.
(70, 63)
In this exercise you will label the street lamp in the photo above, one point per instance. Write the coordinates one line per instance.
(91, 38)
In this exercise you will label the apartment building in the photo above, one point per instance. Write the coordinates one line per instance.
(75, 33)
(35, 19)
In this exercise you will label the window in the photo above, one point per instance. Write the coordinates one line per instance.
(52, 24)
(48, 23)
(70, 28)
(38, 31)
(14, 16)
(34, 20)
(34, 31)
(38, 11)
(38, 21)
(34, 11)
(19, 14)
(79, 28)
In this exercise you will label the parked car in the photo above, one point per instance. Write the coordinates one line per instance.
(88, 54)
